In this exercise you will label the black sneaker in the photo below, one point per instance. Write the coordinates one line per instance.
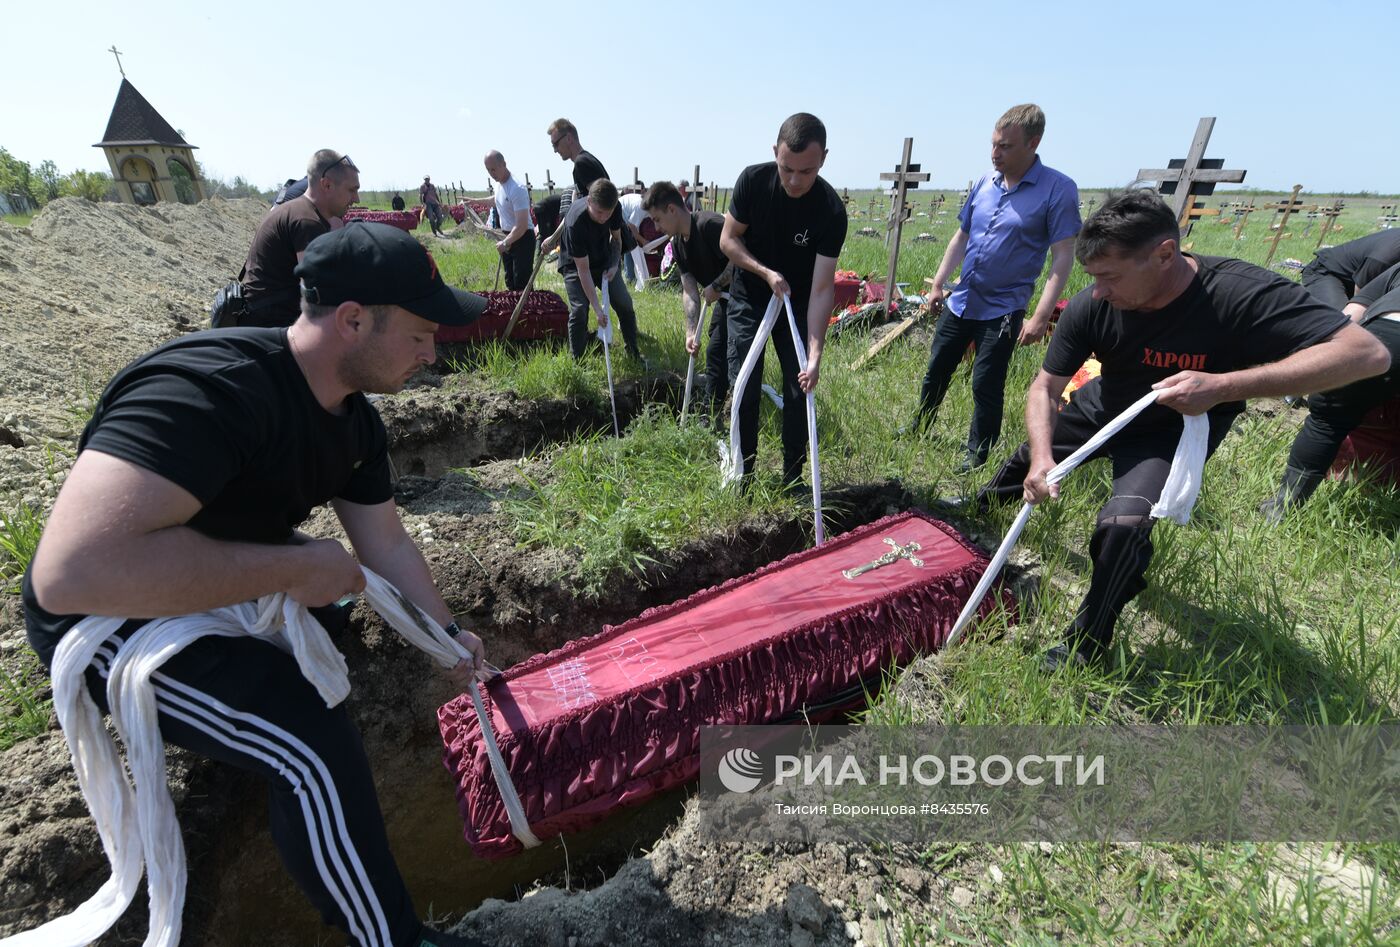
(970, 462)
(1072, 652)
(916, 428)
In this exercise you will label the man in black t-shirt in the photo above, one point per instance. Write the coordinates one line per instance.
(1207, 332)
(269, 285)
(201, 459)
(1332, 415)
(705, 275)
(563, 138)
(783, 231)
(1335, 273)
(589, 254)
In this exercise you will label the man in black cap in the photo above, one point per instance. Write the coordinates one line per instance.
(201, 459)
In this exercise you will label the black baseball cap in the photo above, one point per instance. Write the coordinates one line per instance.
(379, 265)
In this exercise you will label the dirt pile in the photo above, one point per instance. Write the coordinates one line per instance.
(86, 288)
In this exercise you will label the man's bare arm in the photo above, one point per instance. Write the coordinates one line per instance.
(690, 303)
(819, 306)
(1061, 262)
(952, 259)
(117, 544)
(731, 244)
(1349, 354)
(1042, 411)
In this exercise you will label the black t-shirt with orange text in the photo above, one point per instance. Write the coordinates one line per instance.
(1232, 316)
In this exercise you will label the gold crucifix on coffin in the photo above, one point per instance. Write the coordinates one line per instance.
(896, 553)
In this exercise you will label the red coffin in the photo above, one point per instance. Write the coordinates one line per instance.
(612, 720)
(1375, 442)
(403, 219)
(847, 290)
(545, 315)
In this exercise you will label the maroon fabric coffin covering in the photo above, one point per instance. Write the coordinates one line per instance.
(802, 634)
(545, 315)
(1376, 442)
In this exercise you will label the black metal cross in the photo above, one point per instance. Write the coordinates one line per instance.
(116, 52)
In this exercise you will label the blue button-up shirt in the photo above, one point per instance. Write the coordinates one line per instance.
(1008, 234)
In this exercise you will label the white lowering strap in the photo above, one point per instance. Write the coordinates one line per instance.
(732, 459)
(1178, 494)
(135, 819)
(605, 333)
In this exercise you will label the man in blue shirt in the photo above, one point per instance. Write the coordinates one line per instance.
(1011, 216)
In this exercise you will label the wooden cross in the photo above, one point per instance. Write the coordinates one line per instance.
(1242, 212)
(117, 52)
(1198, 173)
(548, 181)
(896, 553)
(904, 177)
(636, 186)
(1286, 207)
(714, 197)
(1330, 214)
(698, 193)
(529, 188)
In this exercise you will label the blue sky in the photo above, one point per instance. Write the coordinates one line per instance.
(260, 85)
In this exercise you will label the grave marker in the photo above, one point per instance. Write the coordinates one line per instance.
(698, 192)
(636, 186)
(1330, 214)
(1242, 213)
(904, 177)
(1284, 207)
(1185, 179)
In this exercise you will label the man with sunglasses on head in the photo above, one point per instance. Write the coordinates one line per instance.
(563, 138)
(269, 285)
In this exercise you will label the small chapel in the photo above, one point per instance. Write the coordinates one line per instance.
(150, 160)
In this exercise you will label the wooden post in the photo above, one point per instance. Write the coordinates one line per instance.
(1286, 208)
(904, 177)
(636, 186)
(1193, 176)
(548, 181)
(529, 188)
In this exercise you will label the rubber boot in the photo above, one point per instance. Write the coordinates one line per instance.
(1294, 491)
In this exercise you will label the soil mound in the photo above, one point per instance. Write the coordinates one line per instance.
(86, 288)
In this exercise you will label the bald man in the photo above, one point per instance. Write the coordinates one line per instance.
(517, 247)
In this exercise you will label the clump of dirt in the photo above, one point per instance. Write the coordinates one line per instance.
(692, 889)
(87, 287)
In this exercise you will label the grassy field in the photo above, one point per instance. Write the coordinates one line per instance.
(1240, 623)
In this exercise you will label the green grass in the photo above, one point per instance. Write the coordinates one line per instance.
(1239, 624)
(20, 527)
(17, 220)
(615, 505)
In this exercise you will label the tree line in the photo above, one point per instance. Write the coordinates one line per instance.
(28, 187)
